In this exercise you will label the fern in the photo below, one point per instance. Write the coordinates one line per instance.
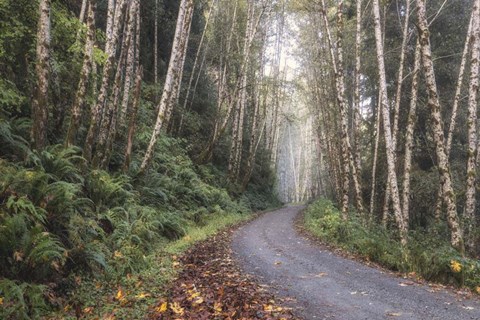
(22, 300)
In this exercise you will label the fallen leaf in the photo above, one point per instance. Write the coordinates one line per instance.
(1, 301)
(217, 307)
(142, 296)
(88, 310)
(320, 275)
(394, 314)
(278, 263)
(176, 308)
(162, 308)
(120, 295)
(18, 256)
(404, 284)
(268, 308)
(109, 317)
(468, 308)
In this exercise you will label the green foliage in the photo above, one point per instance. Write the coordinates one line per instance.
(428, 254)
(21, 300)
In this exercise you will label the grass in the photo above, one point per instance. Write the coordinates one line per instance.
(428, 254)
(130, 297)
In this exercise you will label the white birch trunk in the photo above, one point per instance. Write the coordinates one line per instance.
(173, 73)
(470, 202)
(42, 73)
(84, 76)
(456, 232)
(402, 227)
(409, 136)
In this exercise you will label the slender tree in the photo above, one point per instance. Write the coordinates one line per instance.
(42, 72)
(84, 75)
(437, 128)
(390, 151)
(177, 57)
(470, 202)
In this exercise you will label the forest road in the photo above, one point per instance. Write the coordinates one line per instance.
(322, 285)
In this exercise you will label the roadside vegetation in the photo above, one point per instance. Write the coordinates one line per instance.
(428, 254)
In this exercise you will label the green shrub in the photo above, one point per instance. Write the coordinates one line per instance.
(427, 254)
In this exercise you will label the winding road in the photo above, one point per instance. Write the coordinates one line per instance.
(322, 285)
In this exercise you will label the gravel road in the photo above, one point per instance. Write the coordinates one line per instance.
(322, 285)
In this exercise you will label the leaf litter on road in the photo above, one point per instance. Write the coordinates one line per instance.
(211, 286)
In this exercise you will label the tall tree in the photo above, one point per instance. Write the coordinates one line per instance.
(84, 75)
(456, 231)
(390, 151)
(470, 202)
(174, 72)
(42, 72)
(98, 111)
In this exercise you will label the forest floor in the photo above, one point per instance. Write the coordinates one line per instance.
(321, 284)
(210, 285)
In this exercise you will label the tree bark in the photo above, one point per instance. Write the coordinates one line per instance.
(357, 114)
(110, 50)
(470, 202)
(437, 128)
(173, 73)
(402, 227)
(409, 136)
(453, 117)
(42, 73)
(133, 116)
(84, 76)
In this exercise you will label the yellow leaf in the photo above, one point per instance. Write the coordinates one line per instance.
(267, 308)
(176, 264)
(199, 300)
(18, 256)
(88, 310)
(1, 301)
(477, 289)
(118, 255)
(455, 266)
(120, 295)
(108, 317)
(142, 296)
(176, 308)
(162, 308)
(217, 307)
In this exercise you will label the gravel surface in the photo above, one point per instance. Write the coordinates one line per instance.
(322, 285)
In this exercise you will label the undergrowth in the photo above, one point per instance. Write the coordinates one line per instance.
(63, 224)
(428, 253)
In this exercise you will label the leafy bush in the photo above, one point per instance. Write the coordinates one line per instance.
(427, 254)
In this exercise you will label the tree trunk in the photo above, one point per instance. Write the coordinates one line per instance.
(84, 76)
(437, 128)
(42, 72)
(176, 59)
(133, 116)
(129, 72)
(110, 50)
(453, 117)
(375, 160)
(357, 115)
(409, 136)
(402, 227)
(470, 202)
(155, 49)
